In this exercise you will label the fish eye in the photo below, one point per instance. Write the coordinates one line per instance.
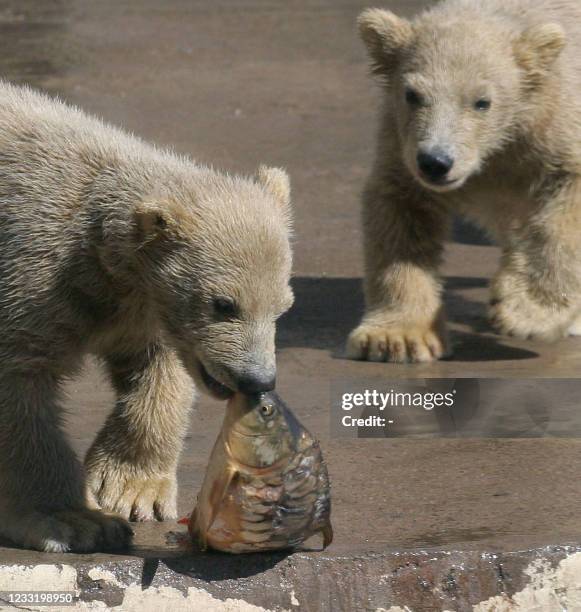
(483, 104)
(412, 97)
(225, 306)
(267, 410)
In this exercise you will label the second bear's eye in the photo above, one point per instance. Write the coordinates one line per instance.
(225, 307)
(412, 97)
(483, 104)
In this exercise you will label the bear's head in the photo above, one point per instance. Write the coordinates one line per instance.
(457, 88)
(215, 260)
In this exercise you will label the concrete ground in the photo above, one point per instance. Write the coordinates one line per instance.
(431, 524)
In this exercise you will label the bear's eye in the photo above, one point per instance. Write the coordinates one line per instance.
(412, 97)
(483, 104)
(225, 307)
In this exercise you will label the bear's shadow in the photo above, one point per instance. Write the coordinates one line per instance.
(326, 309)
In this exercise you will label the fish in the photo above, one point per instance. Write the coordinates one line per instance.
(266, 486)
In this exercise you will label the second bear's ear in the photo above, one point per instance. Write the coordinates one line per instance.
(385, 35)
(539, 47)
(276, 181)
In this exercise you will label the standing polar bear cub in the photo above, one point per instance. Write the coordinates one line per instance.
(166, 270)
(482, 116)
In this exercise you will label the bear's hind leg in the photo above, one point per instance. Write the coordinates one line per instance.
(132, 464)
(42, 503)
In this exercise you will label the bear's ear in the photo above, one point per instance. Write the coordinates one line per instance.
(538, 48)
(385, 35)
(276, 181)
(154, 219)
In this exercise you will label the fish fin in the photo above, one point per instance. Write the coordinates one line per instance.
(202, 541)
(327, 532)
(198, 531)
(197, 534)
(219, 491)
(193, 526)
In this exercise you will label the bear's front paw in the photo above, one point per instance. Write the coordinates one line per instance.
(79, 531)
(396, 344)
(134, 496)
(519, 316)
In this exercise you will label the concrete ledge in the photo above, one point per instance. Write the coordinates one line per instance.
(544, 579)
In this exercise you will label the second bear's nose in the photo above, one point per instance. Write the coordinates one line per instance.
(435, 164)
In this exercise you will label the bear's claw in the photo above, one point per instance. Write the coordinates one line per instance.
(137, 498)
(520, 317)
(396, 345)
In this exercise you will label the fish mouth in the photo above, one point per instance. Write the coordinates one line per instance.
(214, 387)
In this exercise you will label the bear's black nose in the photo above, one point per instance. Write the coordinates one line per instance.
(250, 384)
(435, 164)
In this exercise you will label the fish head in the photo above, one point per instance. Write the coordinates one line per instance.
(261, 431)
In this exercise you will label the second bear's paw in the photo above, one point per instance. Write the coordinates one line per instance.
(135, 497)
(405, 344)
(519, 316)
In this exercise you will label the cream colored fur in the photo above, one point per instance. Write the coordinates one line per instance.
(516, 171)
(110, 246)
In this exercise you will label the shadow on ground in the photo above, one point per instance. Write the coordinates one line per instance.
(326, 309)
(215, 566)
